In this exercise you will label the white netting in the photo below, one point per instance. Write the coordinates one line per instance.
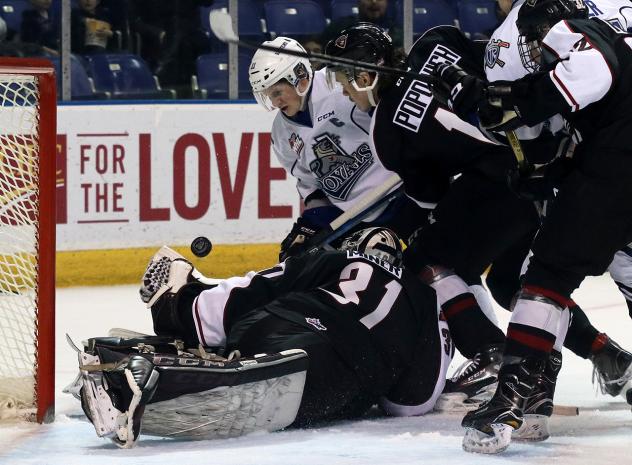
(19, 96)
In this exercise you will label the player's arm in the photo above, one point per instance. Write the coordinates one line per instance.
(580, 69)
(319, 211)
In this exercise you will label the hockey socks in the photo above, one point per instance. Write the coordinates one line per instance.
(470, 329)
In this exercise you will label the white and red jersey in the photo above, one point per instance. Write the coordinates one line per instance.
(502, 56)
(329, 151)
(585, 76)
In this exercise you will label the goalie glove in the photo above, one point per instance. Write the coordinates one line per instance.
(167, 271)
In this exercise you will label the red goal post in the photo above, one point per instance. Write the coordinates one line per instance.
(27, 238)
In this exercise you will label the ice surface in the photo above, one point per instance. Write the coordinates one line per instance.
(602, 433)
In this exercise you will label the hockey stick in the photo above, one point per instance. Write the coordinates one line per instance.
(368, 204)
(222, 27)
(565, 410)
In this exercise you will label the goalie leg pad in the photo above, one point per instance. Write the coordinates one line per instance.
(180, 394)
(244, 395)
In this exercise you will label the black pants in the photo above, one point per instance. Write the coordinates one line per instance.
(587, 223)
(474, 224)
(332, 389)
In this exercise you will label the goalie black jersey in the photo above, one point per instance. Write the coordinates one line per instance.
(423, 141)
(371, 311)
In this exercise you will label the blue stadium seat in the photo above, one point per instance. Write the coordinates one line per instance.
(11, 12)
(430, 13)
(124, 76)
(294, 18)
(477, 18)
(81, 85)
(211, 80)
(342, 8)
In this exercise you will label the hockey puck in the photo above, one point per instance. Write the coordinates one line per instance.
(201, 246)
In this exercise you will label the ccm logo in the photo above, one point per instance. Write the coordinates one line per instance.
(325, 116)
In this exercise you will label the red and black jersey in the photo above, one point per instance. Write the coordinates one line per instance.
(371, 311)
(423, 141)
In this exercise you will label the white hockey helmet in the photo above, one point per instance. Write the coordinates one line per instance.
(267, 68)
(380, 242)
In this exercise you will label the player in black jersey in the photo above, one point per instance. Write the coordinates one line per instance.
(477, 220)
(372, 331)
(583, 71)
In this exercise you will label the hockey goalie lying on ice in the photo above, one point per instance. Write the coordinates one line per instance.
(319, 337)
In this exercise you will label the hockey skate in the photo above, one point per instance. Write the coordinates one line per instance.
(612, 369)
(473, 382)
(488, 429)
(539, 407)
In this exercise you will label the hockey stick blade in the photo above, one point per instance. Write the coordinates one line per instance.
(222, 27)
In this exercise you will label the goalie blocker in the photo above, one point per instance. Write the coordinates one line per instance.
(151, 381)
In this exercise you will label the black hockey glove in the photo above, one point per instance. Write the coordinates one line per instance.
(493, 112)
(297, 240)
(461, 92)
(541, 183)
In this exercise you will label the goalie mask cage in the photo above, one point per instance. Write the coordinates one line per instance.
(27, 239)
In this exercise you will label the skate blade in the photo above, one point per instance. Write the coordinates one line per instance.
(535, 428)
(482, 443)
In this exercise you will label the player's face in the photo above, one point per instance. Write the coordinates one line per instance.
(359, 97)
(283, 96)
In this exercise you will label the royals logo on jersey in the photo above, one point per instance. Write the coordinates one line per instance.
(492, 53)
(336, 170)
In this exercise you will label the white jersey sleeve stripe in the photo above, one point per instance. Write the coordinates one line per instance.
(583, 74)
(564, 91)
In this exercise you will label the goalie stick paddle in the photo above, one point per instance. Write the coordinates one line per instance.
(368, 204)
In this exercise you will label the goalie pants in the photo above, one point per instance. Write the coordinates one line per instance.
(334, 389)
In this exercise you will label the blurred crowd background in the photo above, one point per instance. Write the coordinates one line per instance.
(165, 49)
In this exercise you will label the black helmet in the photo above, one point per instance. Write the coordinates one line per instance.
(536, 17)
(363, 42)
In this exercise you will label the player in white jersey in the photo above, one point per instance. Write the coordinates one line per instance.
(321, 138)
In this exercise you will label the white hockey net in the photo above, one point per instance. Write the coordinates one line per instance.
(19, 243)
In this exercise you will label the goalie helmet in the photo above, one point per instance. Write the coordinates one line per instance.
(379, 242)
(362, 42)
(268, 68)
(535, 18)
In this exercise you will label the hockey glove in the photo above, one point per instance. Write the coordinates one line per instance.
(297, 240)
(460, 91)
(541, 184)
(494, 113)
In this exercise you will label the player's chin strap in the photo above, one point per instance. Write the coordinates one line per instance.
(368, 89)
